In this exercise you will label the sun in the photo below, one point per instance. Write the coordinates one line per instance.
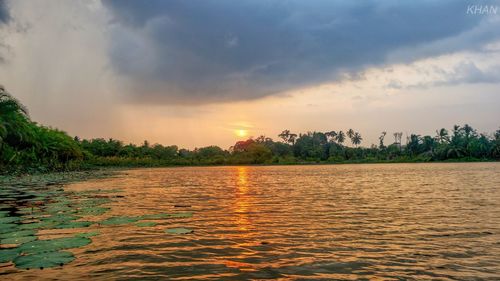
(241, 133)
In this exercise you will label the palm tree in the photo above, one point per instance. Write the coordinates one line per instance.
(468, 130)
(340, 137)
(13, 116)
(442, 135)
(9, 105)
(350, 133)
(381, 139)
(356, 139)
(456, 132)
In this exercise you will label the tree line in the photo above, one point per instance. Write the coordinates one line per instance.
(29, 147)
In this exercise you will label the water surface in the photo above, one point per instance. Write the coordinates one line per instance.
(330, 222)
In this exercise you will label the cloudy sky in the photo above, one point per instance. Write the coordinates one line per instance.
(192, 72)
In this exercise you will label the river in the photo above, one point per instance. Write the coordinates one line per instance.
(319, 222)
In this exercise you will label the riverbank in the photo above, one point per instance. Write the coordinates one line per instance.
(104, 171)
(56, 178)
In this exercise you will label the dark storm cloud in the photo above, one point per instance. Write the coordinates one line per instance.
(4, 12)
(207, 51)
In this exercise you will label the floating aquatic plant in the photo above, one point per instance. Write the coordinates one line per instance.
(56, 244)
(9, 219)
(119, 220)
(179, 230)
(146, 224)
(87, 234)
(43, 260)
(18, 240)
(17, 233)
(7, 255)
(8, 227)
(38, 225)
(73, 224)
(92, 211)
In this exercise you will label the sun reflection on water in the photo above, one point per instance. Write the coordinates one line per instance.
(243, 199)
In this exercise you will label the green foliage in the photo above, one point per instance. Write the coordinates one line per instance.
(44, 260)
(28, 147)
(24, 145)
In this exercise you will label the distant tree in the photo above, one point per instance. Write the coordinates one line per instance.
(495, 148)
(332, 135)
(442, 135)
(413, 145)
(350, 133)
(356, 139)
(340, 137)
(381, 140)
(288, 137)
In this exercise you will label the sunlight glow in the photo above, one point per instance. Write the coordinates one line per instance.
(241, 133)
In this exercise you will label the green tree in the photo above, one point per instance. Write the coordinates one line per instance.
(356, 139)
(381, 140)
(340, 137)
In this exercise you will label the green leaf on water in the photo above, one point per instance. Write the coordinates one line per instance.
(18, 240)
(179, 230)
(9, 219)
(182, 215)
(44, 260)
(58, 208)
(94, 202)
(60, 218)
(92, 211)
(73, 224)
(7, 255)
(38, 225)
(17, 233)
(119, 220)
(87, 234)
(56, 244)
(146, 224)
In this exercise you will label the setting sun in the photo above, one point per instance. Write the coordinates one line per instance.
(241, 133)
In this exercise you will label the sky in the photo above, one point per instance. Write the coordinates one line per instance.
(194, 73)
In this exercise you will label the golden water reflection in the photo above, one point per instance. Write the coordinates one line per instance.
(329, 222)
(243, 200)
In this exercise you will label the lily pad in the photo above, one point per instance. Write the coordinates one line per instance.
(61, 218)
(8, 227)
(179, 230)
(182, 215)
(94, 202)
(44, 260)
(55, 209)
(18, 240)
(119, 220)
(92, 211)
(7, 255)
(38, 225)
(73, 224)
(87, 234)
(51, 245)
(17, 233)
(9, 219)
(146, 224)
